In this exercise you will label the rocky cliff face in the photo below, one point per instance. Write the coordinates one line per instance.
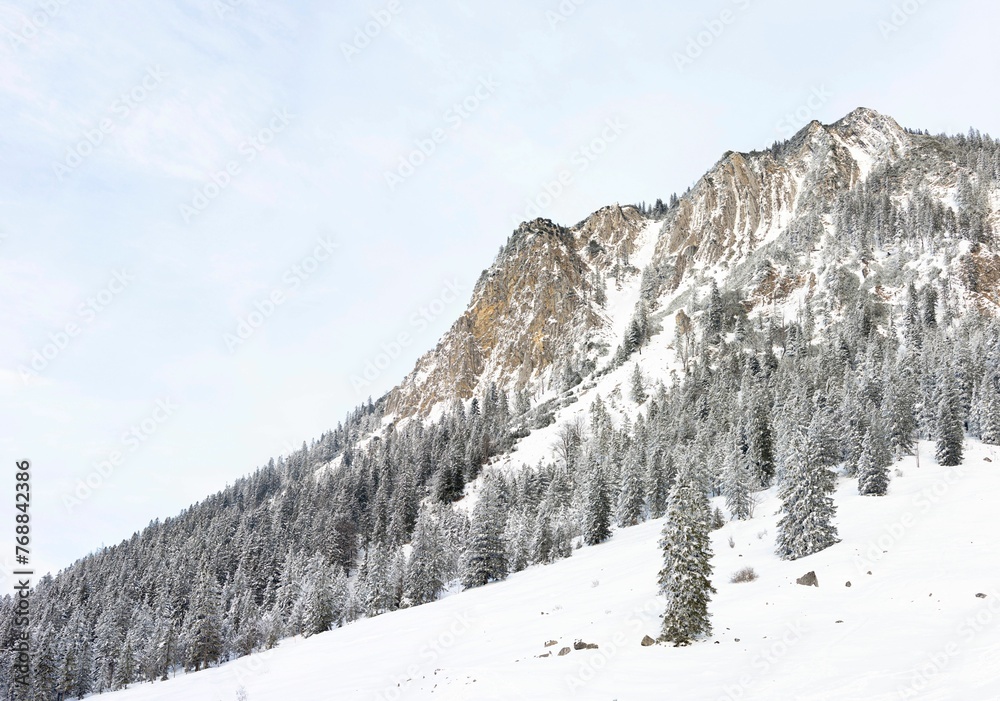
(560, 295)
(750, 198)
(532, 311)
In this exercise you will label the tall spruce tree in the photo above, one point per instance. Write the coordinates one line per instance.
(425, 573)
(485, 557)
(739, 482)
(806, 525)
(204, 628)
(898, 413)
(631, 497)
(686, 577)
(597, 513)
(950, 432)
(989, 415)
(873, 465)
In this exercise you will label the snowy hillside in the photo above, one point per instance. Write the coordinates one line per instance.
(910, 623)
(785, 331)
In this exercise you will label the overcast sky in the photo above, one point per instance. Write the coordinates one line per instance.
(328, 176)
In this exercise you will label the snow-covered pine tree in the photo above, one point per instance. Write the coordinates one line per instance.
(125, 668)
(873, 465)
(806, 524)
(542, 547)
(713, 315)
(425, 570)
(657, 482)
(631, 497)
(898, 413)
(759, 441)
(45, 668)
(485, 558)
(950, 432)
(686, 577)
(597, 513)
(318, 613)
(204, 625)
(989, 412)
(638, 385)
(738, 481)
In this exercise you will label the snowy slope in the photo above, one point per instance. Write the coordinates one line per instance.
(912, 628)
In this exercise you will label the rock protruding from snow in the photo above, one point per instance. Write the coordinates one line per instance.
(809, 579)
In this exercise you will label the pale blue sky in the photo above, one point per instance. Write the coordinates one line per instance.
(181, 88)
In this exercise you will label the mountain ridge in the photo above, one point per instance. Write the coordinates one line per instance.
(743, 203)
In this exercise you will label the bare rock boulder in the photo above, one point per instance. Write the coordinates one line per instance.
(808, 580)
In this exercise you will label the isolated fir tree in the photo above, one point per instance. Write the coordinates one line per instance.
(950, 432)
(686, 577)
(806, 525)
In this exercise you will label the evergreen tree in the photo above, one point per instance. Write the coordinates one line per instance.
(485, 556)
(631, 497)
(989, 412)
(425, 572)
(44, 667)
(806, 525)
(204, 626)
(713, 326)
(686, 577)
(738, 483)
(318, 614)
(873, 466)
(543, 547)
(760, 443)
(658, 482)
(638, 391)
(597, 515)
(930, 307)
(125, 668)
(898, 415)
(950, 432)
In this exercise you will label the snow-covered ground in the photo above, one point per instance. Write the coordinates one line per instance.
(909, 625)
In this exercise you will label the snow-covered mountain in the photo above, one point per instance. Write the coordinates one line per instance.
(557, 296)
(800, 316)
